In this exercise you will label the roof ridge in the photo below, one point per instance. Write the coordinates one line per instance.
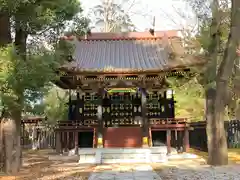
(125, 35)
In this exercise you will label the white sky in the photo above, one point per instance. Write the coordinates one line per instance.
(166, 13)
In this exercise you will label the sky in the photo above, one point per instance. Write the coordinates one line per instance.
(168, 13)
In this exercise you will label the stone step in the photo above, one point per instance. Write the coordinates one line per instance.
(143, 157)
(124, 156)
(112, 161)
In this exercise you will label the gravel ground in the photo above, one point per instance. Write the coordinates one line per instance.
(202, 173)
(37, 166)
(196, 169)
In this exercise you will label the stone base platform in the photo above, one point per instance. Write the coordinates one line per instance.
(122, 155)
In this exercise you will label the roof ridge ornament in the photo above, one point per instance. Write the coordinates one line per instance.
(152, 30)
(108, 68)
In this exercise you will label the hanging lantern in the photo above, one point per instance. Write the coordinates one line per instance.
(170, 93)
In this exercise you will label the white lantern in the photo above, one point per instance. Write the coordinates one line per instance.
(170, 93)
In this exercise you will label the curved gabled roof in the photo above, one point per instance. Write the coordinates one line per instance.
(134, 51)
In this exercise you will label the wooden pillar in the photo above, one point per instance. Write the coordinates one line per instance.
(145, 139)
(186, 140)
(180, 141)
(69, 106)
(150, 137)
(168, 141)
(100, 120)
(76, 142)
(67, 139)
(58, 142)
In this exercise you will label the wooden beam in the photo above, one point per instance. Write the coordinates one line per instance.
(170, 126)
(164, 129)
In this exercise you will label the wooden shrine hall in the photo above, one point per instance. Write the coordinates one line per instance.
(118, 90)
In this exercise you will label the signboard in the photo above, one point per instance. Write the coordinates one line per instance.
(121, 90)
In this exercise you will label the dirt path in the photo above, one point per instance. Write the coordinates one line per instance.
(37, 166)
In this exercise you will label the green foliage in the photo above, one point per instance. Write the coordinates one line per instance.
(189, 96)
(29, 77)
(28, 80)
(34, 15)
(55, 104)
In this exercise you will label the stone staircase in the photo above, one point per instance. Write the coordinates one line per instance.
(123, 155)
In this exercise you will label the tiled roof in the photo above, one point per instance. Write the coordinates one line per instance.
(125, 51)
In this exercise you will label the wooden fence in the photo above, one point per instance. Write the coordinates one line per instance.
(37, 136)
(198, 136)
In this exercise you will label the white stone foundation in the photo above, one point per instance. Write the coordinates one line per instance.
(122, 155)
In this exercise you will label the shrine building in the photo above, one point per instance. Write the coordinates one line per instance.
(119, 95)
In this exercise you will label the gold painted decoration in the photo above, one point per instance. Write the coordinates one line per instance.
(100, 141)
(145, 140)
(121, 90)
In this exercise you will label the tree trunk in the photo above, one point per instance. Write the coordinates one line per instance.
(20, 39)
(218, 153)
(5, 33)
(12, 144)
(210, 99)
(212, 126)
(217, 143)
(2, 147)
(17, 161)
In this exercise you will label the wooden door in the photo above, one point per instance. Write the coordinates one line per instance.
(123, 137)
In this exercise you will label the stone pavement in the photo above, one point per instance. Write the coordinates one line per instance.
(124, 172)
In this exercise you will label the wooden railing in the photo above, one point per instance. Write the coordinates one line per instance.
(123, 122)
(179, 124)
(153, 122)
(158, 121)
(76, 124)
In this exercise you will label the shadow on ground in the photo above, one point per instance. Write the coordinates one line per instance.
(37, 166)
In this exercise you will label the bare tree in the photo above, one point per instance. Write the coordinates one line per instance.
(115, 16)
